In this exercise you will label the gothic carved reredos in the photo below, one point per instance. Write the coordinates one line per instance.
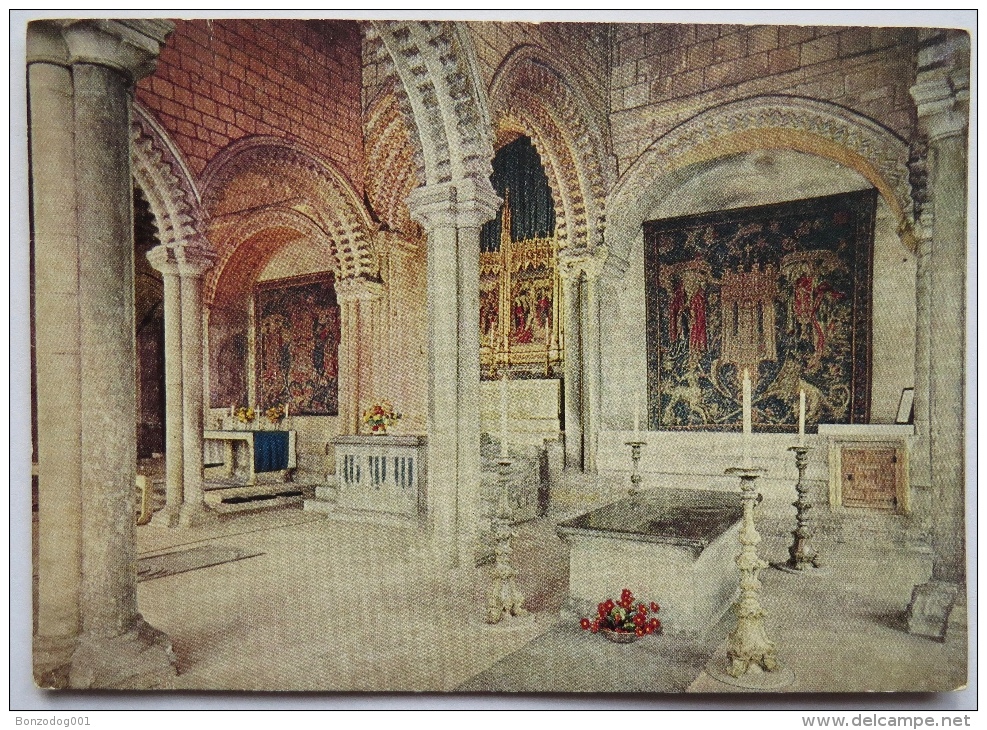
(764, 122)
(527, 91)
(267, 181)
(166, 182)
(440, 93)
(391, 169)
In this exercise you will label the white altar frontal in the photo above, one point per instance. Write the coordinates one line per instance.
(235, 455)
(380, 475)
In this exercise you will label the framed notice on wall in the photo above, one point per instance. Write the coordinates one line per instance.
(906, 406)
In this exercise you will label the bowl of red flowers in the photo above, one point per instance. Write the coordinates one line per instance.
(624, 621)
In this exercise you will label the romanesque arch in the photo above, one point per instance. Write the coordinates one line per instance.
(162, 175)
(265, 181)
(439, 88)
(764, 122)
(528, 92)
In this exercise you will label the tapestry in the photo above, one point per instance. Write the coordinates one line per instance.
(781, 291)
(297, 341)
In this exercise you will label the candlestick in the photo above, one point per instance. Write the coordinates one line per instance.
(802, 417)
(503, 415)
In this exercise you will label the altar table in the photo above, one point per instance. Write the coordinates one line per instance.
(266, 452)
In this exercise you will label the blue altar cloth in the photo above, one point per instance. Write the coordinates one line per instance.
(270, 451)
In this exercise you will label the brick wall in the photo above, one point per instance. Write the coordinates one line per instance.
(217, 81)
(665, 74)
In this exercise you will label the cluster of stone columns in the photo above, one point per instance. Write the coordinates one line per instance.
(452, 214)
(80, 84)
(580, 271)
(941, 94)
(182, 267)
(360, 325)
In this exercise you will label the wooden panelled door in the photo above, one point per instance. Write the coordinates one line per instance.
(870, 478)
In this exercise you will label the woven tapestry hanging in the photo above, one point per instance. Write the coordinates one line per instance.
(782, 291)
(297, 329)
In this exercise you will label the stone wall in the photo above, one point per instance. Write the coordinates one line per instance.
(220, 80)
(665, 74)
(579, 48)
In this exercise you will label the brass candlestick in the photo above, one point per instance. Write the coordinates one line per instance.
(801, 557)
(635, 465)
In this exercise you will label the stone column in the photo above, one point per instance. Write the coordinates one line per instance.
(56, 255)
(452, 215)
(580, 270)
(87, 129)
(941, 93)
(920, 472)
(193, 262)
(162, 259)
(357, 298)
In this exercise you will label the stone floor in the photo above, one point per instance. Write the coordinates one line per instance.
(347, 606)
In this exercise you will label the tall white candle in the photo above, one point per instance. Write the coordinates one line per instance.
(747, 418)
(286, 410)
(802, 417)
(503, 415)
(637, 420)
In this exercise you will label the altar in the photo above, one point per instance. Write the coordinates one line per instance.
(381, 474)
(242, 455)
(673, 546)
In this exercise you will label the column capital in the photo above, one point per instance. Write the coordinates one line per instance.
(942, 88)
(129, 46)
(466, 203)
(358, 289)
(193, 260)
(574, 262)
(162, 259)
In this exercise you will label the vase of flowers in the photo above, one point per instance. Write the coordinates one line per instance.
(274, 416)
(380, 417)
(623, 622)
(243, 417)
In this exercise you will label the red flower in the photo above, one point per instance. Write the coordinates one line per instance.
(639, 620)
(594, 627)
(639, 631)
(655, 607)
(584, 623)
(649, 629)
(641, 608)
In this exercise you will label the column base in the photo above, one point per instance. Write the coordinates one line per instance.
(194, 514)
(931, 604)
(52, 661)
(167, 516)
(141, 658)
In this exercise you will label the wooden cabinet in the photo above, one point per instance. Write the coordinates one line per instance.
(868, 466)
(871, 477)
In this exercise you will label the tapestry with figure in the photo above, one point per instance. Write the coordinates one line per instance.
(297, 345)
(782, 291)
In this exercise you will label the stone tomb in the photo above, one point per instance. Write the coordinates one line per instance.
(673, 546)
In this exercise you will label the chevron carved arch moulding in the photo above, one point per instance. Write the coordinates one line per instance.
(530, 89)
(267, 175)
(433, 65)
(166, 182)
